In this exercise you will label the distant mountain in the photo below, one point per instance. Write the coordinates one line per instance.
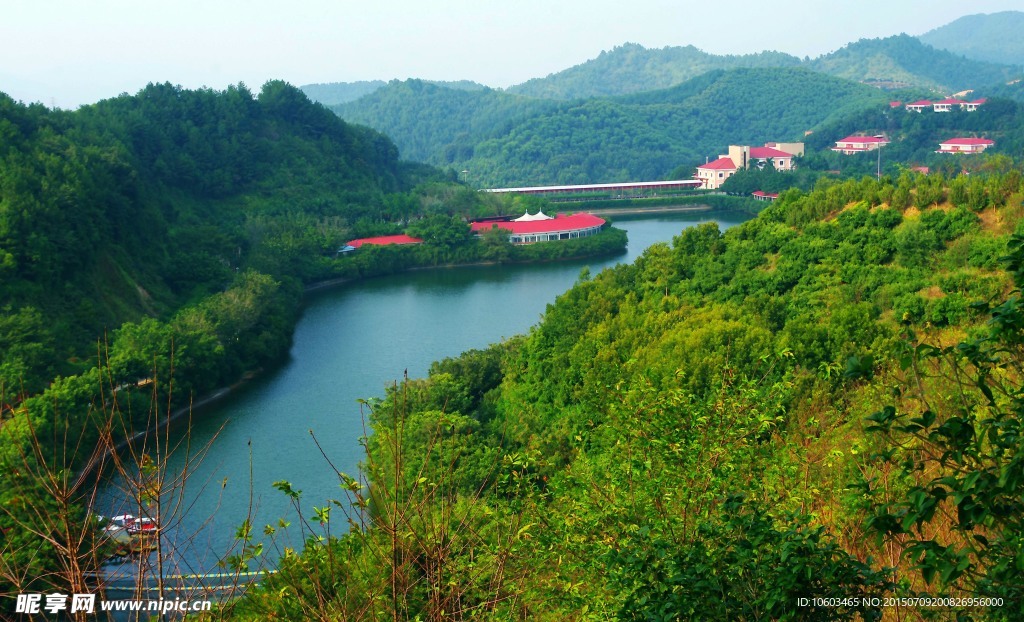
(900, 61)
(334, 93)
(632, 68)
(507, 140)
(994, 37)
(904, 61)
(431, 122)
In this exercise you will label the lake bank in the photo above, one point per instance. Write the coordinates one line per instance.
(650, 211)
(351, 342)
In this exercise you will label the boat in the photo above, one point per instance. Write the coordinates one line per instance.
(129, 534)
(132, 524)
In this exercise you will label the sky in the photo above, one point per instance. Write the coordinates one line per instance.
(66, 53)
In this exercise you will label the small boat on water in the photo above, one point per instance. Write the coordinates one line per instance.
(132, 524)
(130, 534)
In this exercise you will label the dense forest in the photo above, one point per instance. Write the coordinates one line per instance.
(906, 61)
(154, 248)
(140, 204)
(505, 140)
(437, 123)
(632, 68)
(821, 402)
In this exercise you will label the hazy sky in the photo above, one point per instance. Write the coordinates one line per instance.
(70, 52)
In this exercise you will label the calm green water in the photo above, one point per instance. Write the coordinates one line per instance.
(351, 342)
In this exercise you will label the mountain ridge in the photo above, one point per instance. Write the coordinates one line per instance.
(992, 37)
(898, 60)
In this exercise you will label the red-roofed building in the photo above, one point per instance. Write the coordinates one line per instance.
(561, 227)
(965, 145)
(761, 195)
(857, 144)
(713, 174)
(919, 106)
(781, 160)
(973, 105)
(385, 240)
(796, 149)
(780, 155)
(895, 104)
(946, 105)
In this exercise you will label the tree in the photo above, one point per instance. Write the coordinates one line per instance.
(443, 231)
(965, 465)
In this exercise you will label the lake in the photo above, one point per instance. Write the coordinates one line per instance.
(350, 343)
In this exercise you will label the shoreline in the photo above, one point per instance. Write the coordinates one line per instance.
(667, 209)
(220, 394)
(100, 461)
(330, 283)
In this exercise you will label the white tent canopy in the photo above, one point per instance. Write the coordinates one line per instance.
(527, 217)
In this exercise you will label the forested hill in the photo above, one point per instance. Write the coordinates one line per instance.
(649, 135)
(993, 37)
(136, 205)
(893, 61)
(431, 122)
(904, 61)
(632, 68)
(334, 93)
(504, 139)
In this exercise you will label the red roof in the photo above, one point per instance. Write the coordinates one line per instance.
(762, 193)
(721, 164)
(951, 100)
(968, 141)
(923, 102)
(863, 140)
(557, 224)
(761, 153)
(385, 240)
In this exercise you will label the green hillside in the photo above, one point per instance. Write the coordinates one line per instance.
(647, 136)
(1012, 90)
(435, 123)
(508, 140)
(915, 137)
(823, 401)
(632, 68)
(138, 204)
(993, 37)
(904, 61)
